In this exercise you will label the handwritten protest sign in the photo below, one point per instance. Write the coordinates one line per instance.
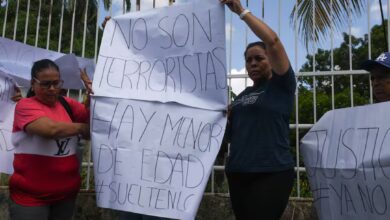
(347, 158)
(157, 124)
(6, 121)
(153, 158)
(170, 54)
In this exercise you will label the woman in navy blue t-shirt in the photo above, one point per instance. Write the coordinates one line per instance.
(260, 168)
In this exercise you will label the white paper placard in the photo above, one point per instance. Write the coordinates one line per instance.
(16, 59)
(157, 123)
(169, 54)
(347, 159)
(153, 158)
(6, 122)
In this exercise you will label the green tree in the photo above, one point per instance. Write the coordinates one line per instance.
(79, 7)
(55, 23)
(342, 83)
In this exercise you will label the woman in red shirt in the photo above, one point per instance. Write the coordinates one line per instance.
(46, 176)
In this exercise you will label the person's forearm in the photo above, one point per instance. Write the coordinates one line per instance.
(276, 54)
(63, 129)
(48, 128)
(275, 50)
(261, 30)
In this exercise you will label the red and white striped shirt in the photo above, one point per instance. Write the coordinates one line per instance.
(45, 170)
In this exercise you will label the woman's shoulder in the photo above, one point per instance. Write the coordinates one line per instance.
(71, 101)
(247, 89)
(27, 102)
(27, 105)
(68, 99)
(75, 105)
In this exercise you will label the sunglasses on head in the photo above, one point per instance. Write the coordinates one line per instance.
(47, 84)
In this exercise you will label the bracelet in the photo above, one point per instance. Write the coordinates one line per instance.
(243, 13)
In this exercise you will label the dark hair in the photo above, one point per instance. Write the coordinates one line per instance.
(253, 44)
(37, 67)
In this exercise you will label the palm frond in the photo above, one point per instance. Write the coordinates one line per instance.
(327, 14)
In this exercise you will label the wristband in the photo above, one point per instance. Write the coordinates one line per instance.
(243, 13)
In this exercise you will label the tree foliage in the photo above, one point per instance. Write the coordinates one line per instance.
(342, 83)
(55, 33)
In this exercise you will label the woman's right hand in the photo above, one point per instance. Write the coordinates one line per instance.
(84, 131)
(228, 111)
(18, 94)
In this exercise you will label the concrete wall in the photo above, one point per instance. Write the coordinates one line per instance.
(213, 207)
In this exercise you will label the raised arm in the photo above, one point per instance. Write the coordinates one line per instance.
(275, 51)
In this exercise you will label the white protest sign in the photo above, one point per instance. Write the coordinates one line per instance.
(70, 71)
(157, 124)
(16, 59)
(6, 122)
(347, 158)
(170, 54)
(153, 158)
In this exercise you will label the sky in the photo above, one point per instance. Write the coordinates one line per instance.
(277, 16)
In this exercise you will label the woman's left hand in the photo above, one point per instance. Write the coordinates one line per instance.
(87, 82)
(234, 5)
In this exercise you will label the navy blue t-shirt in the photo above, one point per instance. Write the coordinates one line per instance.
(259, 126)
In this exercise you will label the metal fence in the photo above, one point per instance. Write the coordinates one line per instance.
(85, 17)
